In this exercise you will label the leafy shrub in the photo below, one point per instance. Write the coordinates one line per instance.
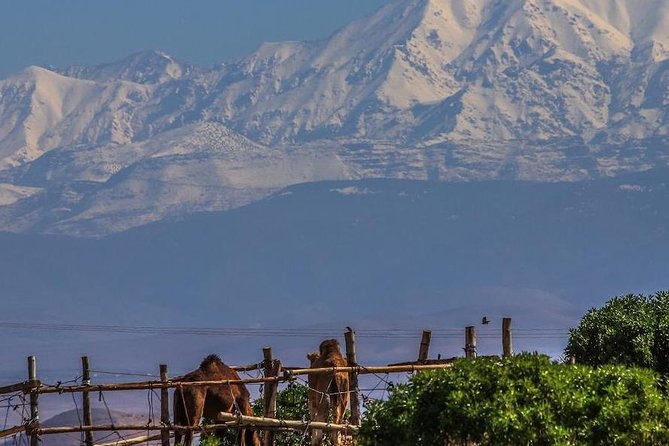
(227, 437)
(524, 400)
(292, 404)
(630, 330)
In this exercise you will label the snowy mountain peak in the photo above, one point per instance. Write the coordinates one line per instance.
(420, 71)
(41, 110)
(146, 67)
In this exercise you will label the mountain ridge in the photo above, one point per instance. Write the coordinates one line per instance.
(546, 90)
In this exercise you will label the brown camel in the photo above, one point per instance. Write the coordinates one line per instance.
(193, 403)
(327, 391)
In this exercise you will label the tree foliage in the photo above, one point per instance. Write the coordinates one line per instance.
(521, 400)
(631, 330)
(291, 404)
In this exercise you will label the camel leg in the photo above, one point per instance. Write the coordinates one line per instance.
(340, 402)
(194, 404)
(185, 401)
(179, 414)
(247, 437)
(316, 437)
(339, 410)
(318, 408)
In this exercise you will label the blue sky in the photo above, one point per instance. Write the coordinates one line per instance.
(204, 32)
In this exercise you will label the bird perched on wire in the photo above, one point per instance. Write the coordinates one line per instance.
(485, 321)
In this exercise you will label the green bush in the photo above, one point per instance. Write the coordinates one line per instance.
(631, 330)
(524, 400)
(226, 437)
(292, 404)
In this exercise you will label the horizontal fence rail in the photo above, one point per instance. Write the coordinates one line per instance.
(24, 387)
(248, 421)
(288, 375)
(12, 431)
(126, 427)
(131, 441)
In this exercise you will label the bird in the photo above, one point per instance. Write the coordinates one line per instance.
(485, 321)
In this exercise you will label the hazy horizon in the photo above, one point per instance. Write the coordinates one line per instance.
(205, 32)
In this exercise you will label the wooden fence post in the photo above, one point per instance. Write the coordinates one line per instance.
(424, 350)
(271, 367)
(34, 409)
(86, 406)
(507, 343)
(470, 342)
(349, 336)
(164, 408)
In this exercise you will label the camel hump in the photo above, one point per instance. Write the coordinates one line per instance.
(209, 361)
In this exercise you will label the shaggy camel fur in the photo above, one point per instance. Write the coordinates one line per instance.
(327, 391)
(193, 403)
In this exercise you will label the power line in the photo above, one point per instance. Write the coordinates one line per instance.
(395, 333)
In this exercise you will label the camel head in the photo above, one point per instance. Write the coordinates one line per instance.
(313, 357)
(329, 347)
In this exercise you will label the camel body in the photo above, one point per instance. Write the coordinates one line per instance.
(327, 392)
(193, 403)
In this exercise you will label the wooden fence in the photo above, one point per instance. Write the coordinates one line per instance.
(273, 374)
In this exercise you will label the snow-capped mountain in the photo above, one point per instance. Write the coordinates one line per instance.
(544, 90)
(148, 67)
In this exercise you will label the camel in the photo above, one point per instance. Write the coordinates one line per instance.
(327, 391)
(193, 403)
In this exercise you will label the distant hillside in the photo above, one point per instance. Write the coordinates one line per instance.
(390, 249)
(100, 416)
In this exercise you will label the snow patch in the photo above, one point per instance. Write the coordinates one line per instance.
(10, 194)
(353, 190)
(632, 188)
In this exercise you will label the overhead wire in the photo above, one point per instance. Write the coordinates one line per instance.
(394, 333)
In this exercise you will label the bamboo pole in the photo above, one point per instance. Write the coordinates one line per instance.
(362, 370)
(446, 361)
(86, 406)
(33, 424)
(24, 387)
(424, 349)
(259, 422)
(148, 385)
(349, 336)
(133, 441)
(133, 427)
(12, 431)
(470, 342)
(271, 369)
(122, 427)
(228, 421)
(287, 376)
(164, 408)
(507, 344)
